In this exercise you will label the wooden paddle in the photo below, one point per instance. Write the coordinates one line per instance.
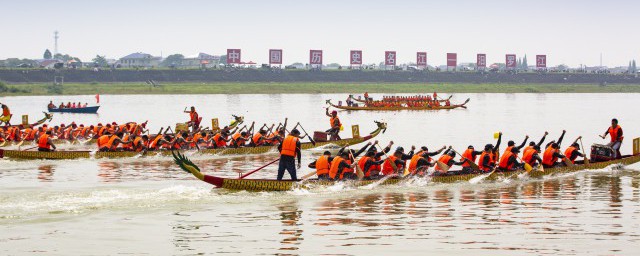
(29, 148)
(473, 165)
(443, 166)
(308, 175)
(307, 134)
(527, 166)
(262, 167)
(567, 161)
(584, 150)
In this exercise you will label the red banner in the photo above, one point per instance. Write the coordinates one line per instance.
(355, 58)
(390, 58)
(452, 59)
(233, 56)
(481, 61)
(510, 61)
(541, 61)
(315, 57)
(421, 59)
(275, 56)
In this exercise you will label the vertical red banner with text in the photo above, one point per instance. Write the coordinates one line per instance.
(234, 56)
(421, 59)
(275, 56)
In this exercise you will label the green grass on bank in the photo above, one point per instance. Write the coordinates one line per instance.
(277, 88)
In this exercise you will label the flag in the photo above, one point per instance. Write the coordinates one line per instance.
(98, 98)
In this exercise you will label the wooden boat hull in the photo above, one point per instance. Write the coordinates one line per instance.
(397, 108)
(17, 154)
(274, 185)
(47, 117)
(87, 110)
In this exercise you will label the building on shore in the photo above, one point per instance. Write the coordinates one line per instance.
(201, 60)
(139, 60)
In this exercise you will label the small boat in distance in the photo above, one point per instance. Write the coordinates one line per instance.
(83, 110)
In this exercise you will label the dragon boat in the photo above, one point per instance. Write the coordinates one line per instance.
(237, 121)
(47, 117)
(402, 101)
(397, 108)
(17, 154)
(83, 110)
(452, 177)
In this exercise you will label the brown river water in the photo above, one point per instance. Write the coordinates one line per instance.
(147, 206)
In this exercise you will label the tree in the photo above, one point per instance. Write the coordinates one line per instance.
(174, 60)
(47, 55)
(525, 65)
(100, 61)
(633, 67)
(629, 70)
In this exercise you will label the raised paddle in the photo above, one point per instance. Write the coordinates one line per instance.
(586, 159)
(262, 167)
(307, 134)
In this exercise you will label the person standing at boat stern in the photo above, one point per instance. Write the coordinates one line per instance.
(194, 119)
(290, 149)
(335, 124)
(615, 131)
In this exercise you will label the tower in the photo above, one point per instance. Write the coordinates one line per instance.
(55, 39)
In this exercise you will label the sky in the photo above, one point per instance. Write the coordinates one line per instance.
(568, 32)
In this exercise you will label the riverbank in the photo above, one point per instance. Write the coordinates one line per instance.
(311, 87)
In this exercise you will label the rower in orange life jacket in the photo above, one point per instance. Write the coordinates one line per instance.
(194, 119)
(470, 154)
(395, 164)
(180, 141)
(221, 139)
(532, 144)
(422, 160)
(532, 156)
(140, 143)
(368, 163)
(511, 144)
(509, 160)
(615, 131)
(102, 141)
(448, 159)
(114, 141)
(44, 142)
(259, 138)
(322, 166)
(239, 139)
(290, 149)
(335, 124)
(487, 160)
(573, 151)
(551, 155)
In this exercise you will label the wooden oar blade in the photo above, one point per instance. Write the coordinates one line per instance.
(443, 166)
(527, 167)
(568, 162)
(308, 175)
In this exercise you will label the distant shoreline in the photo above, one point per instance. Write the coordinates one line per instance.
(35, 89)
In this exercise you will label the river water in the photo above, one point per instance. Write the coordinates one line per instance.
(148, 206)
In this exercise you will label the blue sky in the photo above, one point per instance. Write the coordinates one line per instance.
(569, 32)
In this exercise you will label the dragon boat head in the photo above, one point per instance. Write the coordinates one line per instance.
(381, 126)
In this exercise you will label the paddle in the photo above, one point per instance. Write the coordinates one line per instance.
(567, 161)
(308, 175)
(359, 172)
(29, 148)
(262, 167)
(527, 166)
(307, 134)
(473, 165)
(586, 159)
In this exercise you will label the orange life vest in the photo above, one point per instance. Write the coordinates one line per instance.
(238, 139)
(127, 146)
(103, 140)
(569, 152)
(289, 146)
(528, 156)
(414, 162)
(193, 116)
(219, 141)
(137, 144)
(333, 121)
(445, 159)
(256, 139)
(614, 133)
(468, 154)
(112, 144)
(43, 142)
(322, 165)
(387, 168)
(548, 158)
(154, 143)
(504, 161)
(196, 138)
(333, 171)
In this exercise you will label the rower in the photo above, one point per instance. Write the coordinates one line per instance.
(488, 157)
(239, 139)
(374, 171)
(615, 131)
(45, 144)
(335, 124)
(573, 151)
(140, 143)
(339, 167)
(6, 115)
(114, 141)
(102, 141)
(551, 155)
(221, 139)
(290, 149)
(532, 144)
(394, 164)
(258, 139)
(531, 156)
(471, 154)
(448, 159)
(509, 160)
(322, 166)
(180, 141)
(422, 160)
(368, 163)
(512, 144)
(194, 120)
